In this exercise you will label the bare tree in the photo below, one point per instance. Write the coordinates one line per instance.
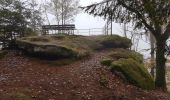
(64, 10)
(36, 18)
(45, 7)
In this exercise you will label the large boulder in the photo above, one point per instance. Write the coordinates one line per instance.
(58, 46)
(125, 53)
(134, 73)
(129, 65)
(54, 46)
(114, 41)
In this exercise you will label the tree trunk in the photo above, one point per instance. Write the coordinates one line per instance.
(152, 41)
(160, 81)
(153, 71)
(124, 30)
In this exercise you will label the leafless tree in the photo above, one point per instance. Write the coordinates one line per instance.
(64, 10)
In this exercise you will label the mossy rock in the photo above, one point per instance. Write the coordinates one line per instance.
(130, 65)
(65, 46)
(46, 51)
(106, 62)
(57, 46)
(125, 53)
(134, 72)
(114, 41)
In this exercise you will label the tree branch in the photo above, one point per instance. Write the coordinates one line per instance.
(96, 4)
(167, 31)
(141, 17)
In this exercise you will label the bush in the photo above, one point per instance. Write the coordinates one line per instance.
(115, 41)
(30, 32)
(134, 72)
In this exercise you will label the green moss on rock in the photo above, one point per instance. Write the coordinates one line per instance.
(58, 46)
(69, 45)
(115, 41)
(125, 53)
(106, 62)
(130, 65)
(134, 72)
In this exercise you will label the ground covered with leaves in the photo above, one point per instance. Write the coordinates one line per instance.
(24, 78)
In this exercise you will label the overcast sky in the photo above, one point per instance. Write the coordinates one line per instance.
(86, 21)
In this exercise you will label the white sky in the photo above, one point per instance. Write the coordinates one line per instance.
(86, 21)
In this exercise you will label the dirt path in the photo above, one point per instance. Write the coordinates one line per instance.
(83, 80)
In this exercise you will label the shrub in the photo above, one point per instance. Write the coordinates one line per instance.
(30, 32)
(115, 41)
(134, 72)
